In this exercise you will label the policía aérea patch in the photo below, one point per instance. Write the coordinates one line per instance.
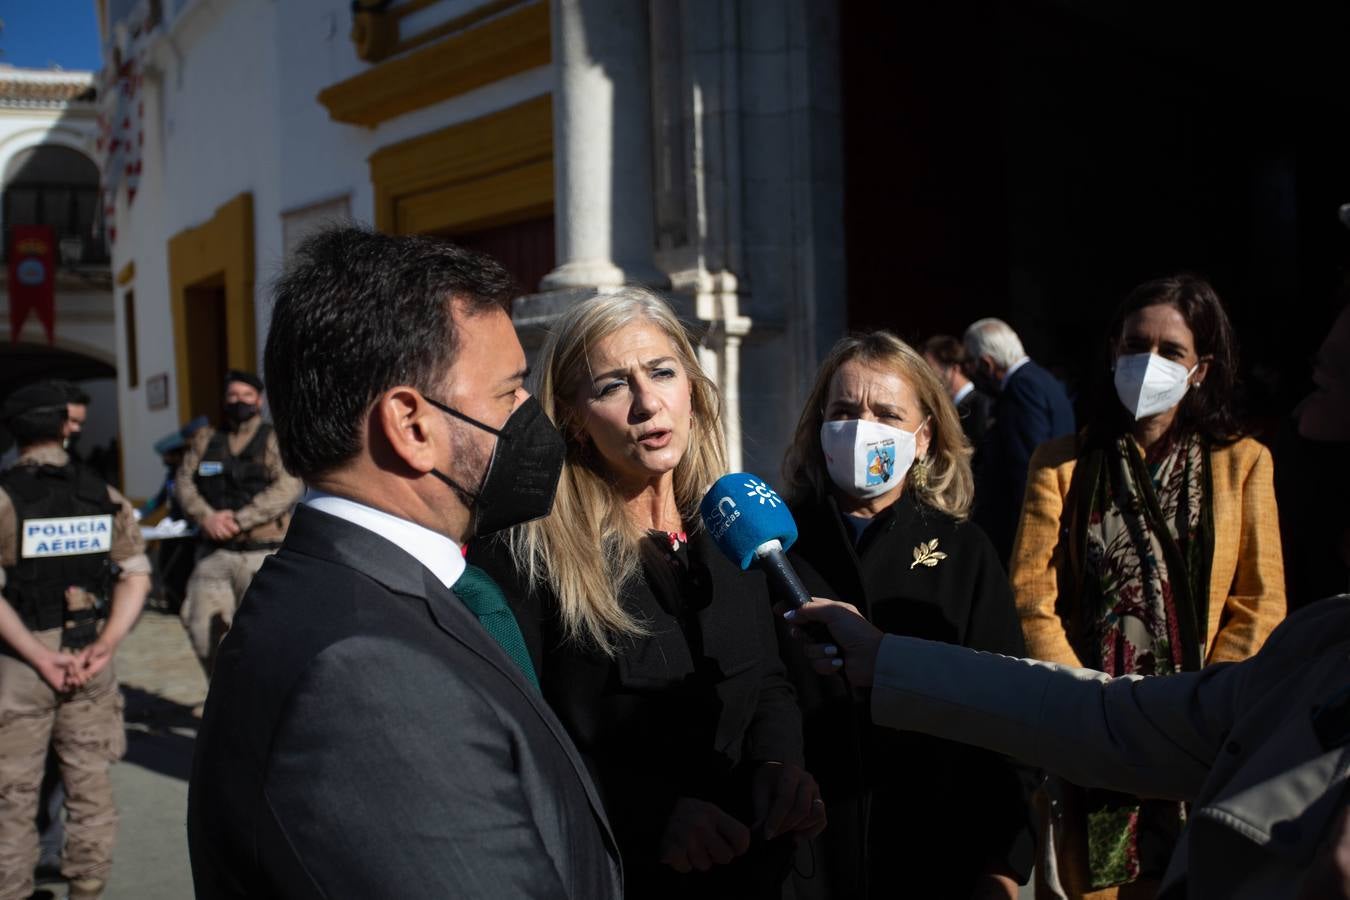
(66, 536)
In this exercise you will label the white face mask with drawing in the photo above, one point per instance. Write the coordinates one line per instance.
(1147, 384)
(867, 459)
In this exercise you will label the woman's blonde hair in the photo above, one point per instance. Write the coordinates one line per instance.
(949, 485)
(587, 547)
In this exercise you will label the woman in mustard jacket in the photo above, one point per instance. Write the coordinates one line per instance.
(1149, 544)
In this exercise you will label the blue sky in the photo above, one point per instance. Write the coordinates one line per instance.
(39, 33)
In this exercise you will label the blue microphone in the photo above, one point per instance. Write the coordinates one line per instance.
(751, 524)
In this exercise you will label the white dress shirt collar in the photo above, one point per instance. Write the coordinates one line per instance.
(964, 392)
(437, 552)
(1003, 386)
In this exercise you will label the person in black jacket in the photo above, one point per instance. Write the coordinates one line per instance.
(879, 481)
(373, 730)
(658, 655)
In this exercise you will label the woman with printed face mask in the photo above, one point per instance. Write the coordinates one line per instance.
(658, 654)
(879, 482)
(1149, 544)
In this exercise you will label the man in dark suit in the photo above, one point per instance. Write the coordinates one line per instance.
(1030, 408)
(947, 356)
(374, 727)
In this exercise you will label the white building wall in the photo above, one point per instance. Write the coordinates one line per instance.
(211, 120)
(221, 118)
(84, 315)
(322, 159)
(231, 106)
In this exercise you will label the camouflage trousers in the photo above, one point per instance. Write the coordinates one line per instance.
(218, 583)
(86, 731)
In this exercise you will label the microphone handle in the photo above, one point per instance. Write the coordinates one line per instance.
(775, 565)
(779, 571)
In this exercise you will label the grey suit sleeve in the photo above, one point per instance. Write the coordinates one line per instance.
(1152, 737)
(385, 792)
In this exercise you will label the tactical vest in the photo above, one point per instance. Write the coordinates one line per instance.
(227, 481)
(65, 529)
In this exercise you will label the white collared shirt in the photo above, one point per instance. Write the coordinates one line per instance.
(964, 392)
(437, 552)
(1003, 385)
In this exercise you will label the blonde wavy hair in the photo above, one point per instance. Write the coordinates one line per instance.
(949, 487)
(587, 548)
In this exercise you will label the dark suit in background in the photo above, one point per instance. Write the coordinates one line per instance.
(1032, 408)
(365, 737)
(976, 410)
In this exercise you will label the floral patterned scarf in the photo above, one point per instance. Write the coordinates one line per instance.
(1147, 546)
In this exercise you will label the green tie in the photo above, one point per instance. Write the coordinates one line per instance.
(485, 600)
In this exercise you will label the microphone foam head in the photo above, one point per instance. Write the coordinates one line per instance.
(741, 512)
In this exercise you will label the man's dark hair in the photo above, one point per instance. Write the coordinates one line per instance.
(1206, 410)
(74, 393)
(945, 349)
(355, 314)
(43, 425)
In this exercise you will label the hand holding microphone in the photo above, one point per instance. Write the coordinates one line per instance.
(751, 524)
(853, 645)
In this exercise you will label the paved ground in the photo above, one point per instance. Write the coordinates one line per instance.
(162, 682)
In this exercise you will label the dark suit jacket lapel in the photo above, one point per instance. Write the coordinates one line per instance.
(318, 534)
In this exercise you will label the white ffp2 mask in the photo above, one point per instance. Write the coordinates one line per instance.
(866, 459)
(1147, 384)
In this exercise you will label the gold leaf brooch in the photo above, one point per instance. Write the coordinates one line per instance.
(927, 554)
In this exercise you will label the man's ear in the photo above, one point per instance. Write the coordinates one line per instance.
(413, 429)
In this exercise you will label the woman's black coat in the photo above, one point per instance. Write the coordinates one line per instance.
(686, 711)
(908, 813)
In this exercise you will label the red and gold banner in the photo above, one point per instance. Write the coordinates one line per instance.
(32, 277)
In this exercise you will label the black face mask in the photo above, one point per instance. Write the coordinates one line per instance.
(521, 477)
(239, 413)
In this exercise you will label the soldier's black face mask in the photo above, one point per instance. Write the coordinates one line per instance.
(522, 476)
(239, 413)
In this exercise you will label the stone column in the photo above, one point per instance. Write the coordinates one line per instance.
(602, 138)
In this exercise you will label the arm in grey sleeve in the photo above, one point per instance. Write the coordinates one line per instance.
(1152, 737)
(392, 778)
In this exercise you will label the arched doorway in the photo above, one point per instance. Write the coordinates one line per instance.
(54, 185)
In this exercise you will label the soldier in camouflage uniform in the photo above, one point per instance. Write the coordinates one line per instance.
(232, 484)
(75, 575)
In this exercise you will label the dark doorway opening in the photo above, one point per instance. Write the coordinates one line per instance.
(526, 249)
(207, 350)
(1033, 161)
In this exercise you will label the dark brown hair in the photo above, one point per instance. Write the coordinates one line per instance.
(1206, 410)
(945, 349)
(355, 314)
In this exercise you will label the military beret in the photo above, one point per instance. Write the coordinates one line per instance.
(41, 395)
